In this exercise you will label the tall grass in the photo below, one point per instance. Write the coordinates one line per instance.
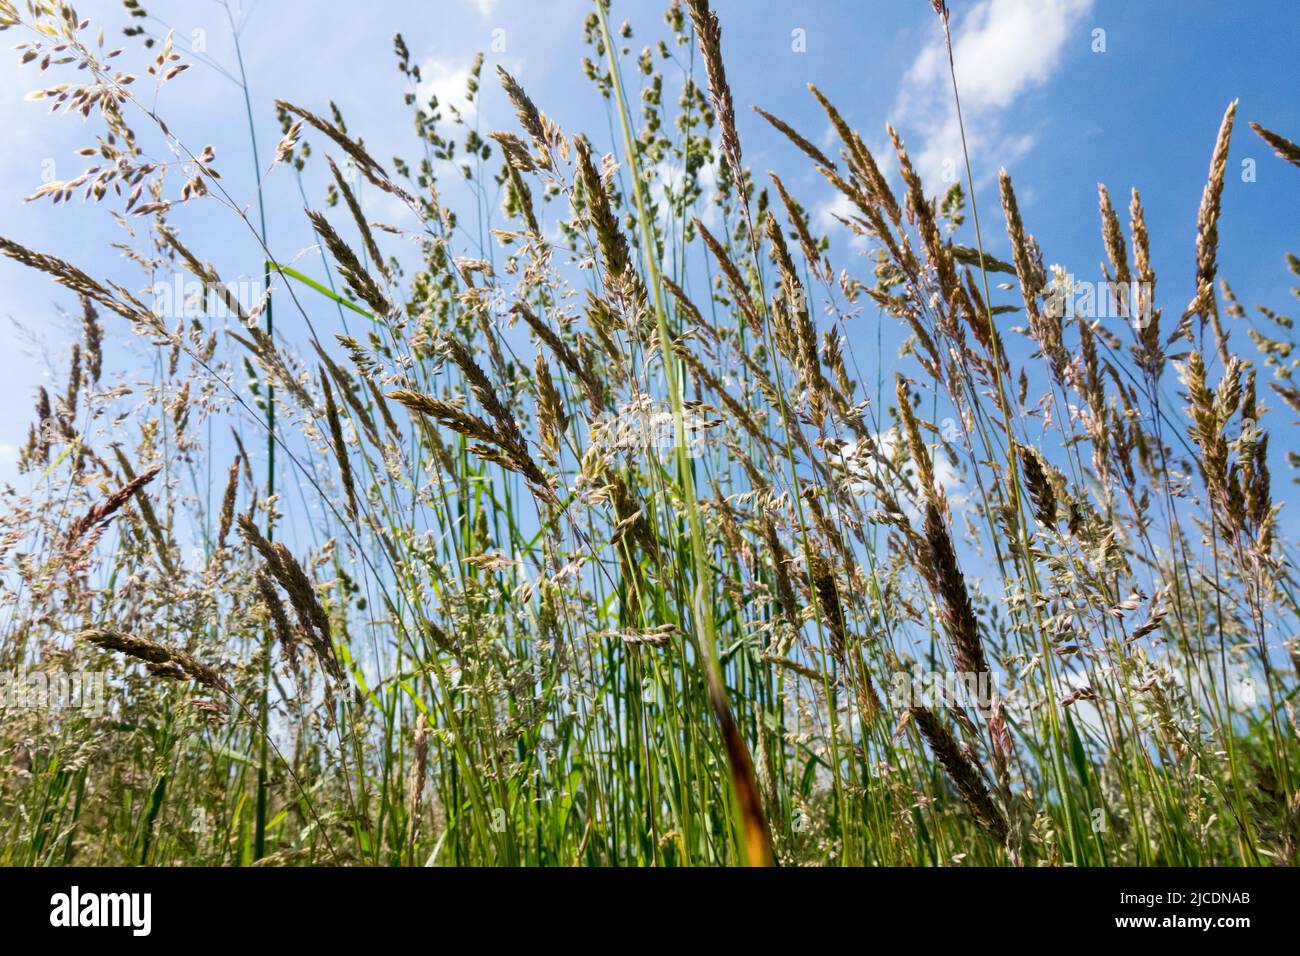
(579, 541)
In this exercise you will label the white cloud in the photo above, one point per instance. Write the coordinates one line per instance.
(670, 175)
(860, 460)
(8, 460)
(827, 216)
(484, 7)
(447, 80)
(1002, 50)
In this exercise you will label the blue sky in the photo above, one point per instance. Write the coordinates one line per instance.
(1038, 98)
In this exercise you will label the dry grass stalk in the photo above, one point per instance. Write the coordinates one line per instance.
(963, 772)
(1207, 231)
(340, 446)
(354, 207)
(288, 573)
(354, 273)
(708, 33)
(97, 516)
(162, 660)
(808, 149)
(417, 778)
(270, 600)
(1284, 147)
(369, 168)
(956, 613)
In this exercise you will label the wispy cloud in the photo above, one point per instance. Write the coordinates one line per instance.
(1003, 49)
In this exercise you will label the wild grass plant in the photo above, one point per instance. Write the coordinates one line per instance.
(621, 548)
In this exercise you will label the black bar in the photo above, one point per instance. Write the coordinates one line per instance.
(432, 906)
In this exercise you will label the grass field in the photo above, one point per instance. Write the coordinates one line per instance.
(628, 548)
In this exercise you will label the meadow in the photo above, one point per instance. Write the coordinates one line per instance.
(627, 548)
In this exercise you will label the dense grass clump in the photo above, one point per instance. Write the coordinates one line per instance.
(602, 545)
